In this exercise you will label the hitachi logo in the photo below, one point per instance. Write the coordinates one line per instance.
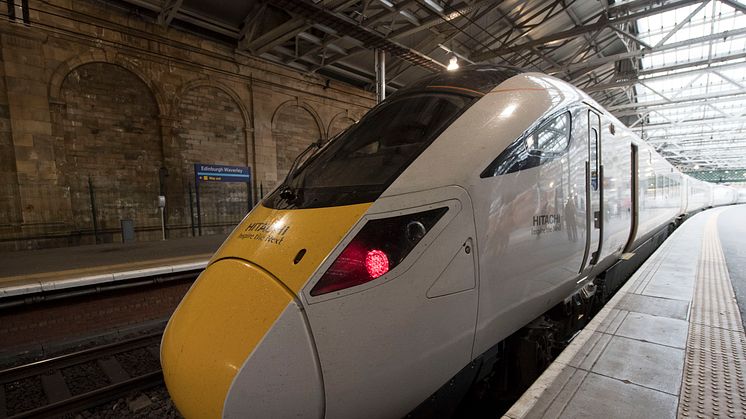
(267, 228)
(540, 220)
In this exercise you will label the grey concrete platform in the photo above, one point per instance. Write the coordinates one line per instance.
(670, 343)
(31, 271)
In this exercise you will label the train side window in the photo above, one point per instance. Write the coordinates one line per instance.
(545, 143)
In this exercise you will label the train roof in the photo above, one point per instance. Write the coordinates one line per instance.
(477, 78)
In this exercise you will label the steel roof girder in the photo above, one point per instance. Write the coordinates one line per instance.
(603, 21)
(168, 12)
(316, 13)
(278, 35)
(687, 123)
(654, 77)
(734, 4)
(681, 24)
(457, 12)
(645, 112)
(643, 52)
(715, 137)
(630, 36)
(730, 94)
(191, 17)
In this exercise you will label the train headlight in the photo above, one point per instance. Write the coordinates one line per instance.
(415, 231)
(376, 249)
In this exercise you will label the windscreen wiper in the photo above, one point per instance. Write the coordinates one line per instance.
(288, 193)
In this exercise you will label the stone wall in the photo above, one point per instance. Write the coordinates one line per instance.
(209, 125)
(93, 99)
(110, 143)
(294, 128)
(8, 178)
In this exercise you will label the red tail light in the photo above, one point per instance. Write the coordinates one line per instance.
(378, 247)
(376, 263)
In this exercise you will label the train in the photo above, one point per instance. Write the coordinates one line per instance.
(394, 259)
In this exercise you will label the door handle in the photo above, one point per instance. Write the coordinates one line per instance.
(596, 219)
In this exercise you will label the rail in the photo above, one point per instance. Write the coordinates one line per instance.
(60, 397)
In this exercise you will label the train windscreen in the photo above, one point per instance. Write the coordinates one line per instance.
(359, 164)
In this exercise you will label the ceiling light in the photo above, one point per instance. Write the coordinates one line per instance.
(452, 64)
(435, 6)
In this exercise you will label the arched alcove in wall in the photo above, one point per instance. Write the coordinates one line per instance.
(109, 123)
(294, 127)
(339, 123)
(211, 128)
(62, 71)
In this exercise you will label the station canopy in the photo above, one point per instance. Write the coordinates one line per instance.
(672, 70)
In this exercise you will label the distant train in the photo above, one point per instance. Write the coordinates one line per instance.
(453, 214)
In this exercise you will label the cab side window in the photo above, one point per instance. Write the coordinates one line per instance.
(544, 144)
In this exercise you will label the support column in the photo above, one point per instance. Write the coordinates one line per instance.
(380, 75)
(171, 177)
(251, 161)
(43, 199)
(264, 103)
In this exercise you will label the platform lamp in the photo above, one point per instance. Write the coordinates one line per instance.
(453, 63)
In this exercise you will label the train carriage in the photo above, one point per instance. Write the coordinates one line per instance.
(404, 250)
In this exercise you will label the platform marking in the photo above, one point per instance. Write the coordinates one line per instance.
(713, 384)
(106, 269)
(30, 287)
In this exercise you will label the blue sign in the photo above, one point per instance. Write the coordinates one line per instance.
(220, 173)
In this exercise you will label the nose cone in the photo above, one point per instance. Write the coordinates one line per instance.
(238, 345)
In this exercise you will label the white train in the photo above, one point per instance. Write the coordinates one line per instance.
(453, 214)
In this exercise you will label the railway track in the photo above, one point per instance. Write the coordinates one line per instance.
(80, 380)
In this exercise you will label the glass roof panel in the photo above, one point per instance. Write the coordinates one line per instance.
(691, 98)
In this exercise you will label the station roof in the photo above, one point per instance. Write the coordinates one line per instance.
(673, 70)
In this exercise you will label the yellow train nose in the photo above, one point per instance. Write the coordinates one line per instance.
(239, 343)
(221, 321)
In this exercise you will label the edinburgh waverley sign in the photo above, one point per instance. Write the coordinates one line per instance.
(220, 173)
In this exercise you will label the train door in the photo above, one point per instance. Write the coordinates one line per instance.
(594, 192)
(634, 203)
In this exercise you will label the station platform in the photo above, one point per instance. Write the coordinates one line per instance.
(670, 343)
(31, 271)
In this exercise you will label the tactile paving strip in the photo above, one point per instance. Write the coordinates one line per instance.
(713, 382)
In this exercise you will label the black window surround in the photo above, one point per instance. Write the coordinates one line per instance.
(537, 146)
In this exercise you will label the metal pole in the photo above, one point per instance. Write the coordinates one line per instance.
(199, 211)
(93, 209)
(163, 225)
(11, 10)
(191, 210)
(25, 11)
(162, 175)
(248, 195)
(380, 75)
(196, 192)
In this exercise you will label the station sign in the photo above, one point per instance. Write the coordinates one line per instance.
(221, 173)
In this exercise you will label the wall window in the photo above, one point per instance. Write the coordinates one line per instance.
(545, 143)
